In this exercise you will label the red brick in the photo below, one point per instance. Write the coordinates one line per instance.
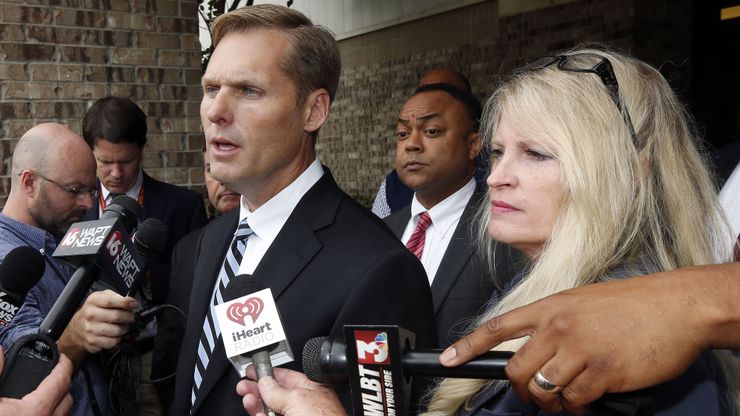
(157, 41)
(10, 33)
(81, 90)
(15, 109)
(26, 51)
(35, 15)
(29, 90)
(135, 91)
(14, 72)
(166, 7)
(82, 54)
(118, 20)
(135, 56)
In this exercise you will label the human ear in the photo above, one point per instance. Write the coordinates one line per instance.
(316, 110)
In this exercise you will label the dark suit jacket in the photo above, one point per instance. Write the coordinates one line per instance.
(181, 211)
(170, 322)
(333, 263)
(463, 285)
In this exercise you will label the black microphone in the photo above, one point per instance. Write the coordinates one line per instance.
(243, 285)
(100, 245)
(149, 241)
(325, 361)
(19, 272)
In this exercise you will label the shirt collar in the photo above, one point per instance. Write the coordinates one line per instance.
(446, 212)
(132, 193)
(267, 220)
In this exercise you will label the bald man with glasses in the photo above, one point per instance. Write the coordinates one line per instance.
(52, 186)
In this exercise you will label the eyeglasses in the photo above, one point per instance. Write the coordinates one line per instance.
(73, 191)
(593, 64)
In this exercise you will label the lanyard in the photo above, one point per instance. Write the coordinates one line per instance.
(139, 199)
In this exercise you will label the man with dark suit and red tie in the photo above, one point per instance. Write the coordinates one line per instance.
(116, 130)
(328, 261)
(437, 146)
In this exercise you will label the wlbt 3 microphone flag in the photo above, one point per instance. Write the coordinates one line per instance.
(21, 269)
(379, 361)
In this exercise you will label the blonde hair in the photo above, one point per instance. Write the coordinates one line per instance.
(651, 205)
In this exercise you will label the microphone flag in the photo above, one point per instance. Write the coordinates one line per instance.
(250, 323)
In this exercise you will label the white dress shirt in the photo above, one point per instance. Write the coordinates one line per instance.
(445, 217)
(132, 193)
(267, 220)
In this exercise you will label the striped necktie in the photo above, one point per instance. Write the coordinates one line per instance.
(416, 242)
(211, 332)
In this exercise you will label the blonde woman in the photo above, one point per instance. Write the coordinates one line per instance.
(595, 176)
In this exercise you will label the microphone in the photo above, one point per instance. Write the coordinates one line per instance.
(98, 246)
(239, 286)
(262, 342)
(325, 361)
(378, 362)
(19, 272)
(149, 242)
(246, 285)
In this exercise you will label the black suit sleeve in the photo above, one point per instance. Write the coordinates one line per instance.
(394, 291)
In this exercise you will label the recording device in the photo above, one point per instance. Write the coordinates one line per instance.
(101, 245)
(380, 363)
(325, 361)
(251, 328)
(102, 248)
(19, 272)
(252, 306)
(149, 242)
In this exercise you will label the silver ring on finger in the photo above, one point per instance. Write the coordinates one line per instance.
(545, 384)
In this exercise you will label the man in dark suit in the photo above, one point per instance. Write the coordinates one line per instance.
(116, 130)
(436, 151)
(328, 261)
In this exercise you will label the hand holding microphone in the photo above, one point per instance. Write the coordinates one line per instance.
(289, 393)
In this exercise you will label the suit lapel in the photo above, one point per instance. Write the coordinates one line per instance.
(398, 220)
(458, 253)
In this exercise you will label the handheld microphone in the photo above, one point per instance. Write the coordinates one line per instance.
(246, 285)
(19, 272)
(378, 362)
(325, 361)
(149, 242)
(100, 245)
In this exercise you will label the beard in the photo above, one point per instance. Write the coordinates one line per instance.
(56, 222)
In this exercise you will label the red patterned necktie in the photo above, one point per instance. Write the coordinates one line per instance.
(416, 242)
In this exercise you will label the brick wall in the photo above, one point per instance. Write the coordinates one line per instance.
(58, 56)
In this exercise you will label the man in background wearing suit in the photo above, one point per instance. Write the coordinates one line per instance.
(171, 323)
(116, 130)
(436, 151)
(328, 261)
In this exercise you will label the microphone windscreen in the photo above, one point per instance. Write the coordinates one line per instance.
(312, 359)
(22, 269)
(129, 204)
(241, 285)
(151, 238)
